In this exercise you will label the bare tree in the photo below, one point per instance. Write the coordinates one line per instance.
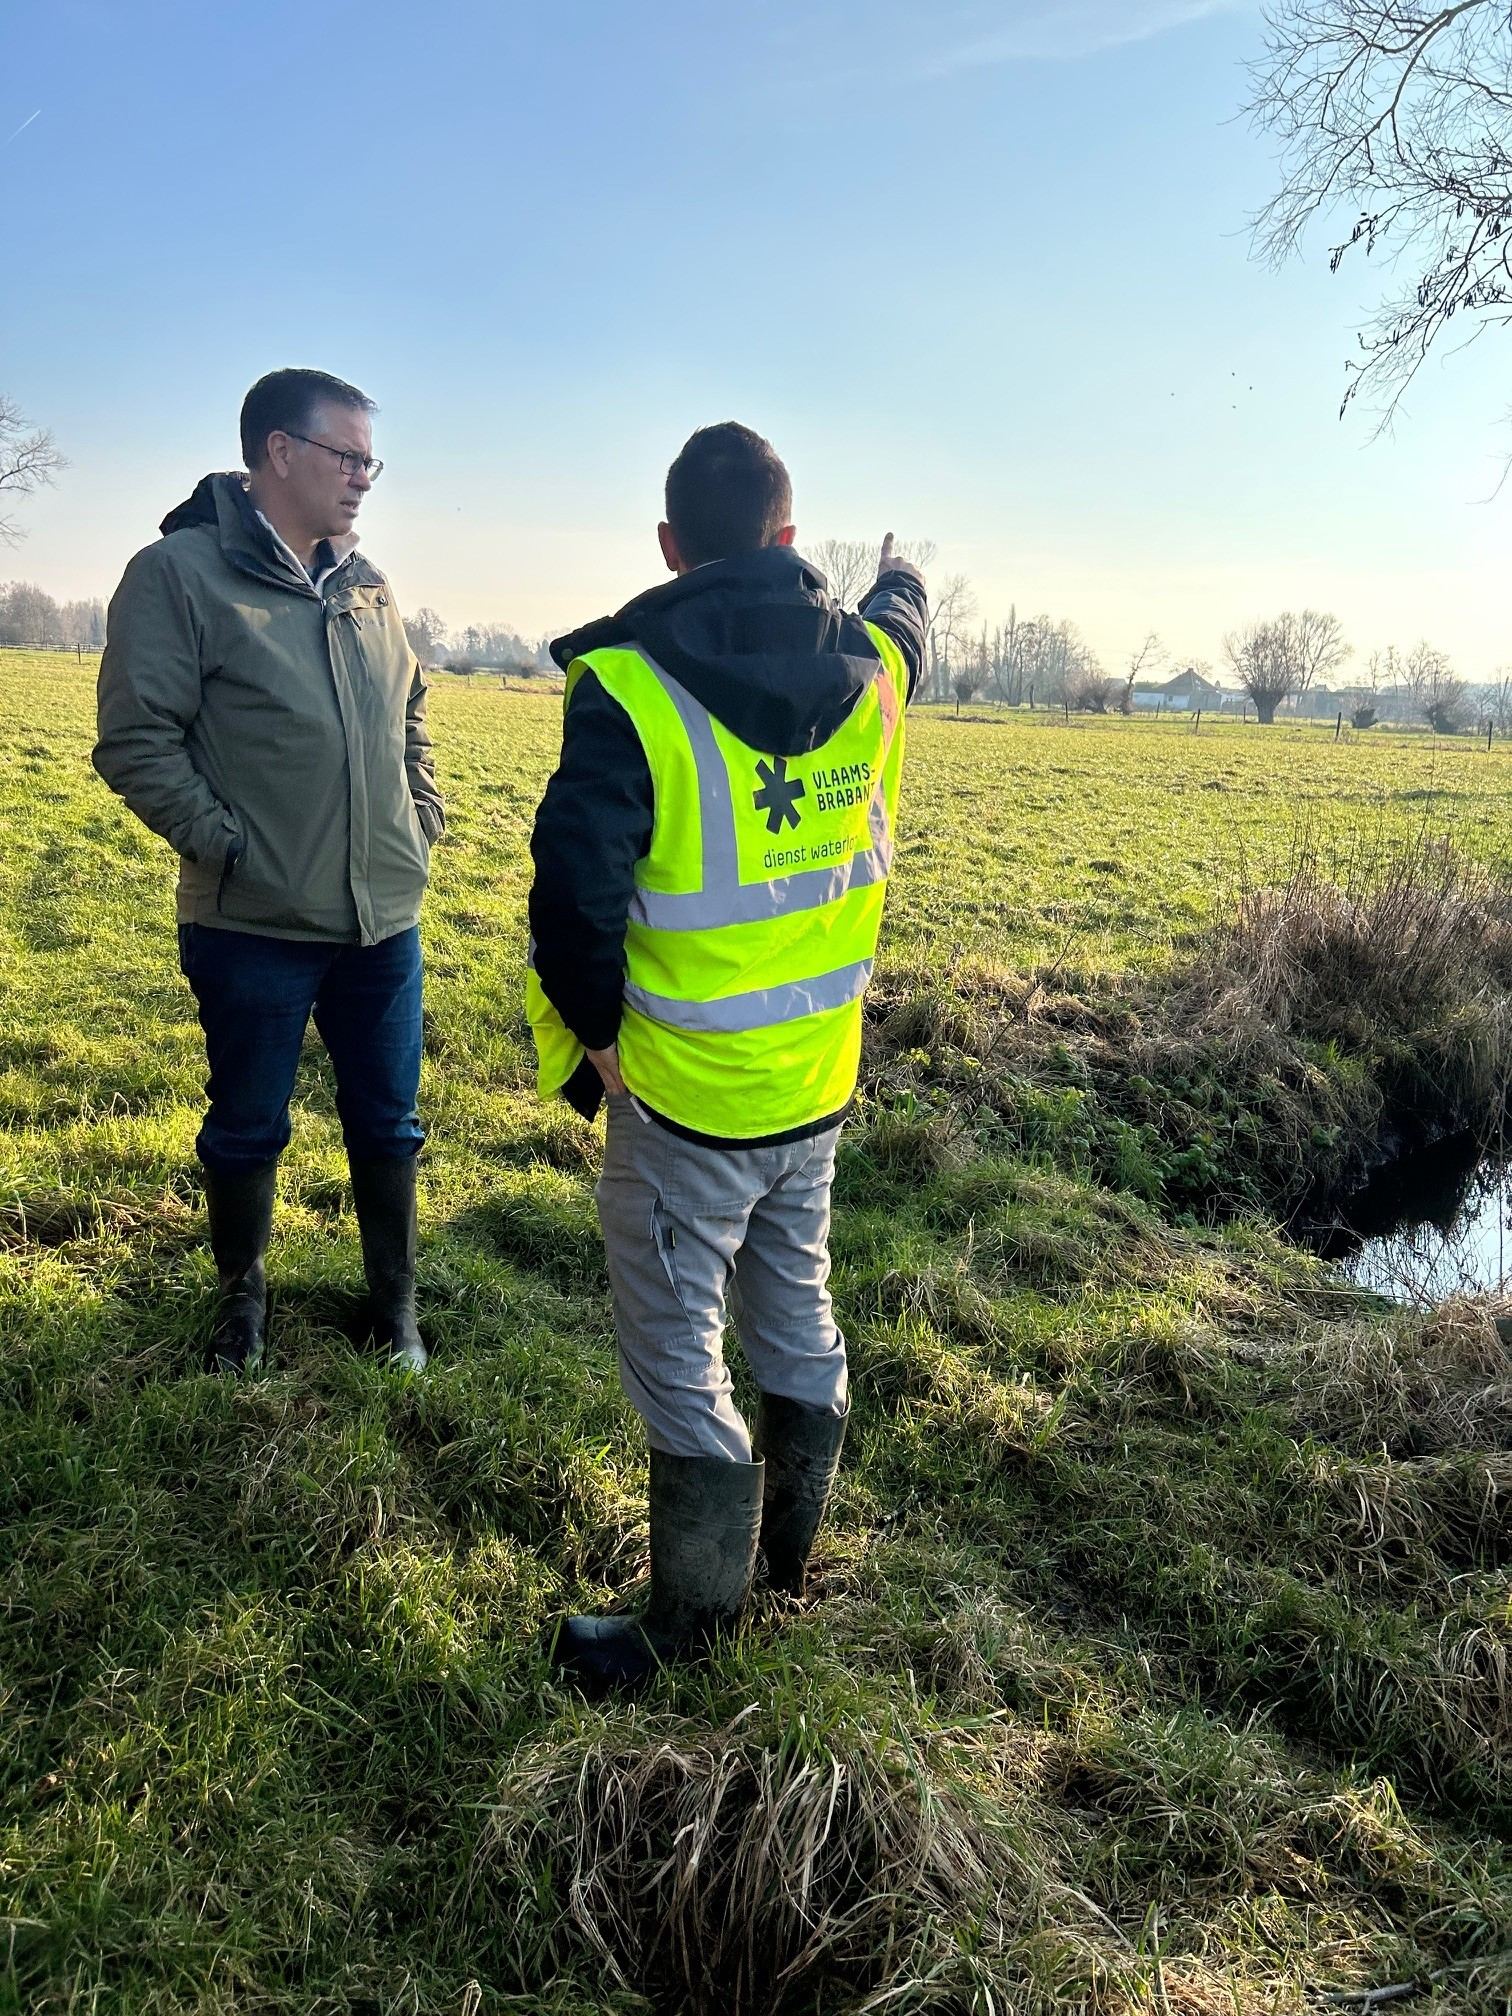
(1434, 689)
(1004, 663)
(81, 625)
(1448, 711)
(953, 608)
(1416, 675)
(1282, 657)
(1496, 698)
(1054, 657)
(850, 565)
(1259, 664)
(1397, 113)
(971, 675)
(1381, 676)
(1316, 641)
(427, 635)
(1087, 691)
(1147, 659)
(28, 460)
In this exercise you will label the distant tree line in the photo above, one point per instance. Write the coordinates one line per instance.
(30, 620)
(1279, 663)
(1290, 657)
(477, 647)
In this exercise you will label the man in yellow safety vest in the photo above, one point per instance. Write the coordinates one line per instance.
(711, 862)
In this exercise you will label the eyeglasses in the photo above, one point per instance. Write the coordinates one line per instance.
(349, 459)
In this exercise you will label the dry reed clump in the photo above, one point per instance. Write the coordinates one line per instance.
(1356, 1004)
(724, 1874)
(1425, 1385)
(1399, 963)
(1395, 947)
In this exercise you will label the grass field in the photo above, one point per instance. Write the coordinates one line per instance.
(1163, 1659)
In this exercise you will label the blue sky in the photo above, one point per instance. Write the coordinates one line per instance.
(980, 271)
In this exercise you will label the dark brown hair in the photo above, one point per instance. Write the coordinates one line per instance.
(727, 492)
(284, 402)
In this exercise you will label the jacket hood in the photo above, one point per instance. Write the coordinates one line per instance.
(757, 639)
(224, 501)
(198, 508)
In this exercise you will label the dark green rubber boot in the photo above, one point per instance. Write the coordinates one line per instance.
(240, 1206)
(384, 1194)
(705, 1520)
(801, 1446)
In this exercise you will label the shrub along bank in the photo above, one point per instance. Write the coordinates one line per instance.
(1327, 1028)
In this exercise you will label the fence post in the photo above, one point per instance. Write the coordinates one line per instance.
(1489, 726)
(1339, 725)
(1197, 723)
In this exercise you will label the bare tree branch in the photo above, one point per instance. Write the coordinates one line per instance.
(27, 461)
(1403, 111)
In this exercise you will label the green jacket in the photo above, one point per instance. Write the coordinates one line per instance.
(273, 734)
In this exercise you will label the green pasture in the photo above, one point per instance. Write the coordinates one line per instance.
(1163, 1653)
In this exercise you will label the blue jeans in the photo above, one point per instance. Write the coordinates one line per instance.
(256, 996)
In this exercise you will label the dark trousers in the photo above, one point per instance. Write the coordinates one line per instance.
(256, 996)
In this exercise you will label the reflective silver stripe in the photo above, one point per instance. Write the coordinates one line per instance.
(762, 1008)
(881, 831)
(724, 898)
(761, 902)
(721, 852)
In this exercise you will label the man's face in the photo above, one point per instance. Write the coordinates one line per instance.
(322, 496)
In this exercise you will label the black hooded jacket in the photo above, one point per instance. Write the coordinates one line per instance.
(757, 640)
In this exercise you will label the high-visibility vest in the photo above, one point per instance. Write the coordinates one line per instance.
(756, 911)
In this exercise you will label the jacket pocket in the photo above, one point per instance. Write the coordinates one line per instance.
(233, 861)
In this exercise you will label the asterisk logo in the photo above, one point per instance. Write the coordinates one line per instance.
(780, 794)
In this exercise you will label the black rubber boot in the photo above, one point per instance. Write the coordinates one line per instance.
(241, 1218)
(384, 1194)
(705, 1519)
(801, 1446)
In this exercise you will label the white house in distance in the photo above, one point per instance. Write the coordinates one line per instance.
(1185, 693)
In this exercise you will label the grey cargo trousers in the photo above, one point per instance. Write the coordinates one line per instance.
(685, 1228)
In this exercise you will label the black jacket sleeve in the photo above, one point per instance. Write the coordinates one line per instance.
(900, 606)
(593, 825)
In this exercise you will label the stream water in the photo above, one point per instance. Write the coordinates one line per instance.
(1436, 1223)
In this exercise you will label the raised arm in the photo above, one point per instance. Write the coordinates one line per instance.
(899, 605)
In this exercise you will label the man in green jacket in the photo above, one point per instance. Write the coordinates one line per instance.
(261, 709)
